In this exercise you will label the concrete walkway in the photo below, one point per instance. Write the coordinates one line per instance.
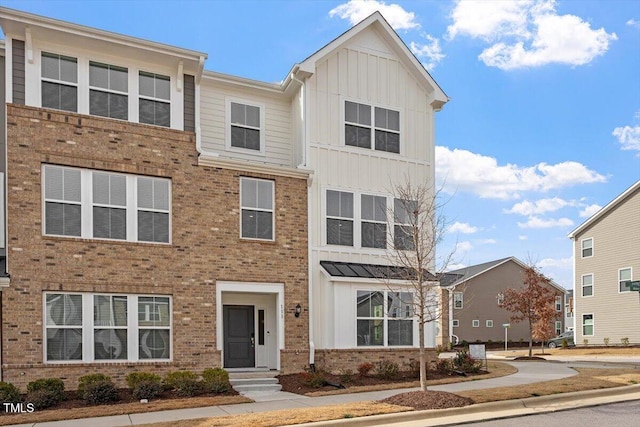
(528, 372)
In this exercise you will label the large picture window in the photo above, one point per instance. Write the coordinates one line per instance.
(107, 328)
(105, 205)
(371, 127)
(384, 318)
(339, 218)
(59, 82)
(257, 204)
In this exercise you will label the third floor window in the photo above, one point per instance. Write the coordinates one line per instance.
(371, 127)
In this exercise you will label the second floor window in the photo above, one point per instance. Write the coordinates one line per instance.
(371, 127)
(108, 91)
(155, 96)
(558, 303)
(59, 82)
(458, 300)
(404, 212)
(245, 126)
(374, 221)
(257, 204)
(339, 218)
(587, 248)
(104, 205)
(587, 285)
(624, 279)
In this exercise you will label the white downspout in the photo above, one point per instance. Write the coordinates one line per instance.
(304, 164)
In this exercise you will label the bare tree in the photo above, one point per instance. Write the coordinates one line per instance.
(533, 303)
(415, 226)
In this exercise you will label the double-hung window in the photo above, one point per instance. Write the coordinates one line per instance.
(624, 279)
(458, 300)
(245, 126)
(257, 204)
(100, 327)
(108, 91)
(155, 99)
(371, 127)
(558, 303)
(404, 212)
(587, 324)
(558, 328)
(384, 318)
(374, 221)
(587, 248)
(59, 82)
(587, 285)
(339, 218)
(105, 205)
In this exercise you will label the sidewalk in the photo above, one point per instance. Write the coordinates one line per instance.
(528, 372)
(604, 359)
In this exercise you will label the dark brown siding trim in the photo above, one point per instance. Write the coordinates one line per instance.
(18, 71)
(189, 103)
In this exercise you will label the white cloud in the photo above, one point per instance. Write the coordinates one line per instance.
(528, 33)
(452, 267)
(589, 210)
(462, 227)
(357, 10)
(463, 247)
(522, 237)
(633, 23)
(462, 170)
(538, 207)
(556, 262)
(628, 137)
(536, 222)
(429, 53)
(487, 242)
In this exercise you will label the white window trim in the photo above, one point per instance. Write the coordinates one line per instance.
(475, 323)
(33, 93)
(227, 126)
(87, 327)
(461, 300)
(86, 206)
(385, 320)
(371, 149)
(559, 303)
(619, 281)
(582, 285)
(489, 323)
(582, 248)
(558, 327)
(593, 324)
(455, 323)
(273, 209)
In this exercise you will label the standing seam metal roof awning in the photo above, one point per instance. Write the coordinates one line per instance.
(369, 271)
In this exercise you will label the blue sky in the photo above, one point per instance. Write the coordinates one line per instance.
(543, 125)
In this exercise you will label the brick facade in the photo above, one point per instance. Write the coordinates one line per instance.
(338, 361)
(205, 244)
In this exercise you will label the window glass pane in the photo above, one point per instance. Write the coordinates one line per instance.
(402, 237)
(62, 219)
(252, 139)
(109, 310)
(339, 232)
(110, 344)
(161, 227)
(249, 192)
(68, 98)
(118, 190)
(366, 205)
(357, 136)
(370, 332)
(118, 106)
(387, 141)
(374, 235)
(101, 188)
(346, 204)
(54, 183)
(163, 87)
(364, 114)
(50, 95)
(99, 75)
(72, 185)
(64, 344)
(162, 113)
(400, 332)
(145, 193)
(147, 111)
(153, 311)
(393, 120)
(400, 304)
(64, 310)
(118, 79)
(351, 112)
(161, 194)
(333, 203)
(145, 226)
(265, 194)
(109, 223)
(587, 280)
(50, 66)
(68, 69)
(253, 116)
(381, 117)
(257, 224)
(154, 344)
(147, 85)
(98, 103)
(238, 113)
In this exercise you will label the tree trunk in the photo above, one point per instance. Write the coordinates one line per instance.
(530, 338)
(423, 366)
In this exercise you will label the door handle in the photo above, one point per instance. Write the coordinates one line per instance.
(253, 342)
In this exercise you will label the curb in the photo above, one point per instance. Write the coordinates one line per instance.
(508, 408)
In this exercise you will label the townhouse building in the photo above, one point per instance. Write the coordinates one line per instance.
(160, 216)
(606, 260)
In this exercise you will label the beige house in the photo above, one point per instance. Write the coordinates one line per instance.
(474, 294)
(606, 253)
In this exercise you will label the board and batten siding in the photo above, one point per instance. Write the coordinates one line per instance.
(17, 70)
(277, 114)
(616, 245)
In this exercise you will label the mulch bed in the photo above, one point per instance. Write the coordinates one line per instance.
(421, 400)
(521, 358)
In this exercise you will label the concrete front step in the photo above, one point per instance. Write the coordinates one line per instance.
(263, 384)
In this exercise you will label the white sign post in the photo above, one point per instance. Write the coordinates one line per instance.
(506, 327)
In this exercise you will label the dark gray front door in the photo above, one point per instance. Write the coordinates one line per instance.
(239, 336)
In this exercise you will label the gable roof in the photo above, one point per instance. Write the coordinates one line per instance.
(611, 206)
(453, 278)
(376, 20)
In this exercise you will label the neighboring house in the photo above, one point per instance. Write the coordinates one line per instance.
(475, 293)
(161, 217)
(568, 311)
(606, 253)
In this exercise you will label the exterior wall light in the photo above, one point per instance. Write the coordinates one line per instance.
(298, 310)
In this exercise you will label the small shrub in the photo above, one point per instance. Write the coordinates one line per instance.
(216, 380)
(439, 349)
(606, 341)
(43, 399)
(147, 389)
(414, 369)
(184, 383)
(346, 376)
(585, 342)
(9, 393)
(85, 380)
(134, 378)
(45, 392)
(443, 366)
(364, 369)
(313, 379)
(624, 341)
(465, 363)
(100, 392)
(388, 370)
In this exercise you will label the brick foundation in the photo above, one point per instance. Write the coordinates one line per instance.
(338, 361)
